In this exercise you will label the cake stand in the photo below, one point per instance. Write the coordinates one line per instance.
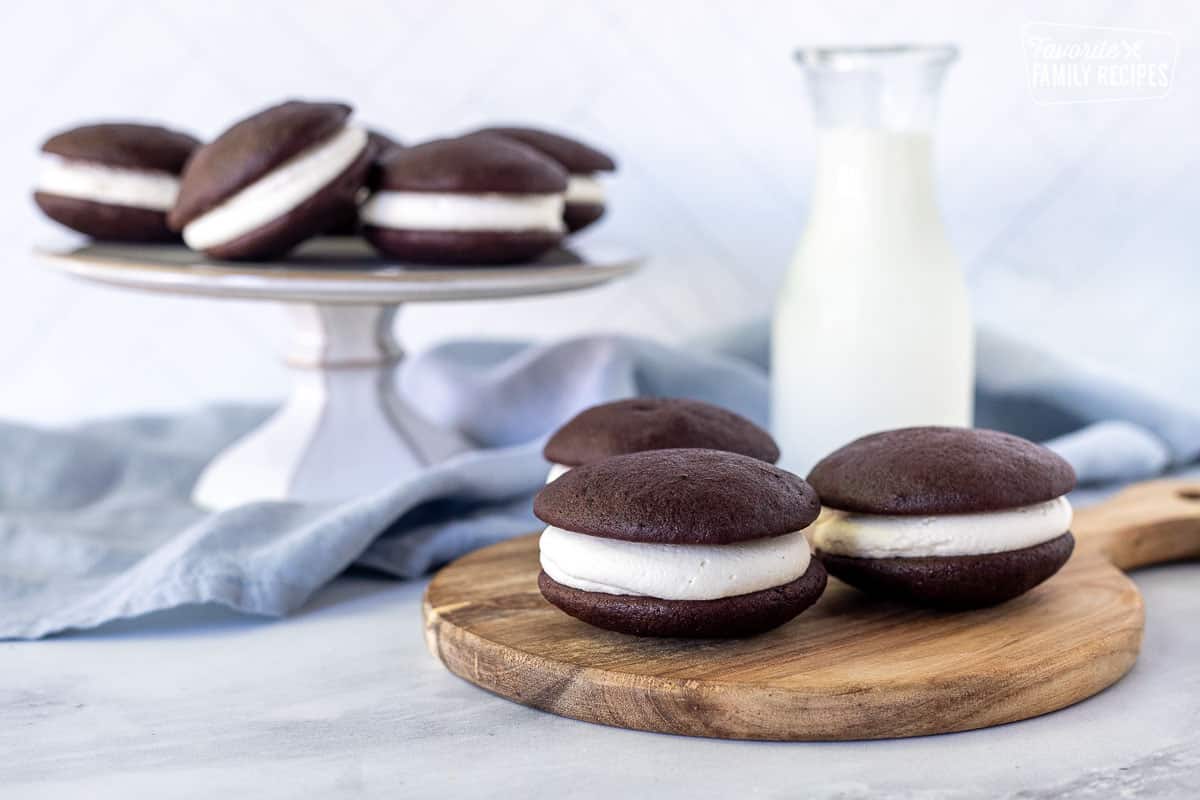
(345, 429)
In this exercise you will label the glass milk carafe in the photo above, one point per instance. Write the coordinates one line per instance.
(872, 328)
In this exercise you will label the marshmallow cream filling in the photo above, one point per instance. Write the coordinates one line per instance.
(883, 536)
(277, 192)
(585, 190)
(672, 571)
(556, 472)
(120, 186)
(459, 211)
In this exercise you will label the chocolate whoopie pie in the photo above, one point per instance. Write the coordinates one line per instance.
(653, 423)
(945, 517)
(271, 181)
(585, 193)
(378, 146)
(113, 181)
(688, 543)
(476, 199)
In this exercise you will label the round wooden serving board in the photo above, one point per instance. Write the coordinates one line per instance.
(848, 668)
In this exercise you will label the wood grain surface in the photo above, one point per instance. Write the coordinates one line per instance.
(849, 668)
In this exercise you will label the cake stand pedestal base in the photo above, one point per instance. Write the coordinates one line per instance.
(344, 431)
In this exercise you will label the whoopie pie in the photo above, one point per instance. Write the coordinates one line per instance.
(585, 192)
(271, 181)
(944, 517)
(113, 181)
(653, 423)
(688, 543)
(476, 199)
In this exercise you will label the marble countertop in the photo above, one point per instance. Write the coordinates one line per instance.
(343, 700)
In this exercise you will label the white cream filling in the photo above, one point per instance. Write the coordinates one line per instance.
(585, 190)
(277, 192)
(455, 211)
(120, 186)
(882, 536)
(672, 571)
(557, 471)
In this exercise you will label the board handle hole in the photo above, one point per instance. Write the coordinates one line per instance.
(1190, 494)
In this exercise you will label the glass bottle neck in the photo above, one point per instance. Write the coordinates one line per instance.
(886, 88)
(875, 110)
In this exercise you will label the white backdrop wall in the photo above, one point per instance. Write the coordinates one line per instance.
(1077, 222)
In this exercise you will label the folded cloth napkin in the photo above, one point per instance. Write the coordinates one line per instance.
(96, 524)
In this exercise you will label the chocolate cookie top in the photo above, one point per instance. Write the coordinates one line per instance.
(656, 423)
(475, 163)
(573, 154)
(935, 470)
(251, 149)
(125, 144)
(678, 497)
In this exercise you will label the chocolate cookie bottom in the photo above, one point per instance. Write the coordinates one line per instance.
(954, 582)
(741, 615)
(461, 247)
(106, 221)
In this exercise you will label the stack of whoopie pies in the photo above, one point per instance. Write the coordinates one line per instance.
(666, 517)
(301, 169)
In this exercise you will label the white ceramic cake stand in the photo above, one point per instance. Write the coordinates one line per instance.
(345, 429)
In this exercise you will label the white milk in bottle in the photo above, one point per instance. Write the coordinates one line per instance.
(872, 329)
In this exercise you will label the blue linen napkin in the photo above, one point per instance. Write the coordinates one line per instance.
(96, 524)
